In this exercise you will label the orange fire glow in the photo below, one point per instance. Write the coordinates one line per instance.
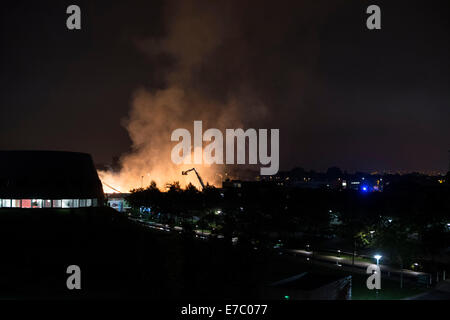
(126, 180)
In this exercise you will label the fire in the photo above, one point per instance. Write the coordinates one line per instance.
(126, 180)
(151, 121)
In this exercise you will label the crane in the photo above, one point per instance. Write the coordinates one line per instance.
(184, 173)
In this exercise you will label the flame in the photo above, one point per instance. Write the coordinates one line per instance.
(124, 181)
(138, 172)
(151, 121)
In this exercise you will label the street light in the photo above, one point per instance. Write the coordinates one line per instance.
(378, 257)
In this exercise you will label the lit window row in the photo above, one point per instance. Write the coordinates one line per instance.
(44, 203)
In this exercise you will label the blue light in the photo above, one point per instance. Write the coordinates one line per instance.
(364, 189)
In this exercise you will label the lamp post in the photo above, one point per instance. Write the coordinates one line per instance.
(378, 257)
(339, 256)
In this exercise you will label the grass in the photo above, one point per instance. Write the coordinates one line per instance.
(390, 290)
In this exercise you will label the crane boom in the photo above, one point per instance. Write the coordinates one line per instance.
(184, 173)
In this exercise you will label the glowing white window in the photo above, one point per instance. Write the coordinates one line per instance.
(88, 202)
(15, 203)
(82, 203)
(67, 203)
(57, 203)
(6, 203)
(47, 203)
(36, 203)
(75, 203)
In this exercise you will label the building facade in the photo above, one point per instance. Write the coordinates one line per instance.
(48, 179)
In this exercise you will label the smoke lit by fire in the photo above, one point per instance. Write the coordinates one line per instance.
(152, 119)
(214, 76)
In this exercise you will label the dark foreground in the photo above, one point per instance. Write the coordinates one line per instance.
(122, 259)
(118, 259)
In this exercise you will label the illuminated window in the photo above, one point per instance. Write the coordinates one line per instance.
(94, 202)
(26, 203)
(1, 203)
(36, 203)
(88, 202)
(47, 203)
(82, 203)
(6, 203)
(57, 203)
(67, 203)
(15, 203)
(75, 203)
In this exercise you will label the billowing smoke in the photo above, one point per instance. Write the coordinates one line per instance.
(223, 60)
(151, 121)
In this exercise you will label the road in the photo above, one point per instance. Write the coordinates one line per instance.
(358, 264)
(338, 261)
(441, 292)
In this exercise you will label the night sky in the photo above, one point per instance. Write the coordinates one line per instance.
(339, 93)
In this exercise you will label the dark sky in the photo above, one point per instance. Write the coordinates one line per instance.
(339, 93)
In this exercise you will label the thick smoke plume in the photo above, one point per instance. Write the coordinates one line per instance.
(222, 62)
